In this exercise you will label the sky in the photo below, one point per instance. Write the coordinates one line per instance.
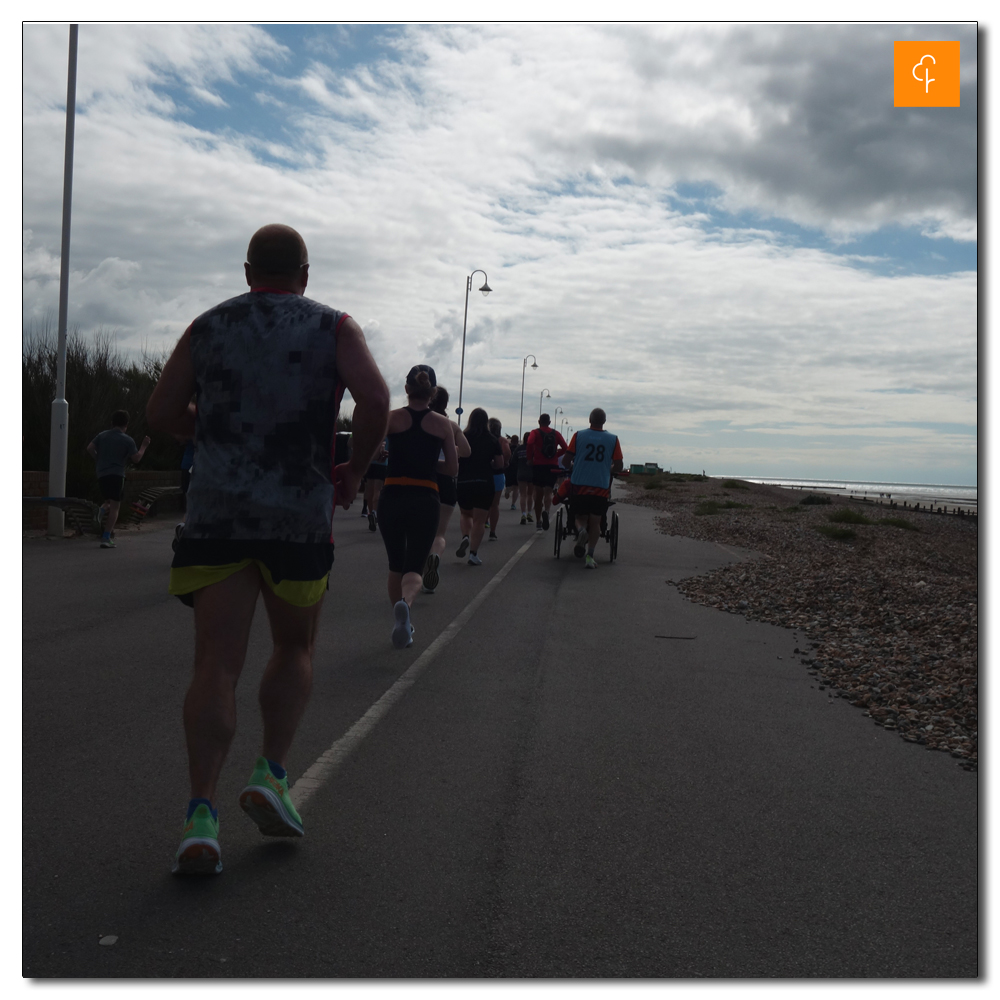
(725, 235)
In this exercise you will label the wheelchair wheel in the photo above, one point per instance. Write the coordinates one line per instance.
(558, 532)
(613, 539)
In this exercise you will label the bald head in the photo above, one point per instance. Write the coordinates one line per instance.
(276, 249)
(277, 256)
(598, 418)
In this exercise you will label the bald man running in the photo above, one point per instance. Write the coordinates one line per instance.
(268, 369)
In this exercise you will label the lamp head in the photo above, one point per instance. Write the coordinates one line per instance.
(485, 289)
(533, 365)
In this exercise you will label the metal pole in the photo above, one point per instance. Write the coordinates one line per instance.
(520, 419)
(461, 373)
(540, 395)
(59, 428)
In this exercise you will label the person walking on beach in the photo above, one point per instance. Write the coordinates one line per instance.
(113, 449)
(269, 367)
(596, 455)
(447, 494)
(545, 447)
(499, 477)
(409, 506)
(475, 483)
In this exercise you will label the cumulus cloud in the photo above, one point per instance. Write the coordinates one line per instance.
(549, 156)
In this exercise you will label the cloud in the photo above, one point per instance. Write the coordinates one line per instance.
(549, 156)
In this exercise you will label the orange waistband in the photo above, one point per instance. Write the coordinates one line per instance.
(430, 484)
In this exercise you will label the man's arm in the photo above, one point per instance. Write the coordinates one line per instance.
(92, 449)
(618, 462)
(357, 370)
(137, 455)
(170, 409)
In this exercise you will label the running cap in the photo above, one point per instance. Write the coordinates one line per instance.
(411, 378)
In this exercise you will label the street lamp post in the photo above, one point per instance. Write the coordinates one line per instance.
(485, 289)
(59, 419)
(524, 367)
(546, 393)
(556, 413)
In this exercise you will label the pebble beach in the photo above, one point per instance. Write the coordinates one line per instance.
(885, 615)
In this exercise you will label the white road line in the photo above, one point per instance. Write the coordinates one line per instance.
(328, 762)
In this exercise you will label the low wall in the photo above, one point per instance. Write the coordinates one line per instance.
(36, 484)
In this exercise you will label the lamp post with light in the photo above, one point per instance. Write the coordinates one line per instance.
(524, 367)
(485, 289)
(546, 393)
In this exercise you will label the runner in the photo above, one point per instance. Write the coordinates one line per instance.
(597, 455)
(409, 508)
(545, 446)
(475, 483)
(373, 484)
(269, 368)
(524, 481)
(113, 448)
(447, 491)
(510, 474)
(499, 478)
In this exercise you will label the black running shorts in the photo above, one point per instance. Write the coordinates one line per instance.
(111, 487)
(475, 494)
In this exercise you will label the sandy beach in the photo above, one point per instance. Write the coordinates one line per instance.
(886, 619)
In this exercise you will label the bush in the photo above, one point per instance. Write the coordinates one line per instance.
(734, 484)
(713, 507)
(898, 522)
(812, 498)
(838, 534)
(99, 380)
(848, 516)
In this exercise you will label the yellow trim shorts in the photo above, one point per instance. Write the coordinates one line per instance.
(298, 573)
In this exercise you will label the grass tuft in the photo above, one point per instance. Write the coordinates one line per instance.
(848, 516)
(734, 484)
(713, 507)
(835, 532)
(813, 499)
(898, 522)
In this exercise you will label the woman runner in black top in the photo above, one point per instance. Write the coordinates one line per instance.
(475, 483)
(409, 507)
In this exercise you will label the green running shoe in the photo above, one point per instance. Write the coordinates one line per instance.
(266, 801)
(199, 853)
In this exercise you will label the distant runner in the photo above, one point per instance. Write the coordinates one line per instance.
(597, 455)
(545, 447)
(448, 493)
(409, 507)
(475, 483)
(113, 449)
(499, 477)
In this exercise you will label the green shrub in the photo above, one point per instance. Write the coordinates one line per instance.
(794, 509)
(713, 507)
(898, 522)
(848, 516)
(812, 498)
(734, 484)
(832, 531)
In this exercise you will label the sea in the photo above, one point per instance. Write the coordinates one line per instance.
(926, 494)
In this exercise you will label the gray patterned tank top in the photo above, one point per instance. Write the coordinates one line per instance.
(268, 397)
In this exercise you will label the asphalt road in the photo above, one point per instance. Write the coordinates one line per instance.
(561, 792)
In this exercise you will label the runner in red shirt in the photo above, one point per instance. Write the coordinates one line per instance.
(545, 448)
